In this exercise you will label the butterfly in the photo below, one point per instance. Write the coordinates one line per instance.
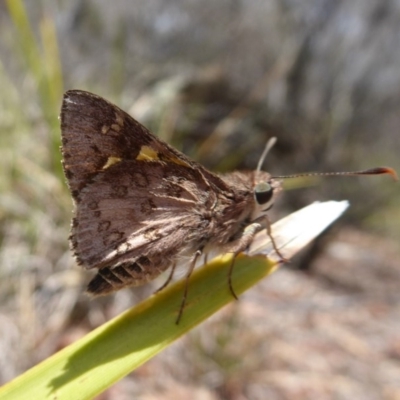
(142, 207)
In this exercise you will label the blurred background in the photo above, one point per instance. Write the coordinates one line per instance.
(216, 80)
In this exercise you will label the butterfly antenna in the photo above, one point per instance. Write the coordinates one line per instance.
(371, 171)
(268, 147)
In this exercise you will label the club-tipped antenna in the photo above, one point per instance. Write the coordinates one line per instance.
(268, 147)
(371, 171)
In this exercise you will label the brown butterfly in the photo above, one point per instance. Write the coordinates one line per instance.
(142, 207)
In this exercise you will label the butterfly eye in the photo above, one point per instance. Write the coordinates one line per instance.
(263, 192)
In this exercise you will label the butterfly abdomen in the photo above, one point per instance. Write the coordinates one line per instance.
(108, 280)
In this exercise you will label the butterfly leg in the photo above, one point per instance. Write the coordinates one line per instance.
(170, 276)
(240, 245)
(187, 277)
(269, 233)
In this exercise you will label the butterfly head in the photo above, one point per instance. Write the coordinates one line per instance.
(266, 190)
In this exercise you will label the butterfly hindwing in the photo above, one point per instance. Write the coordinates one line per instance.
(137, 208)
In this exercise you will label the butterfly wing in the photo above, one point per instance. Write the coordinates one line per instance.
(96, 133)
(140, 204)
(138, 208)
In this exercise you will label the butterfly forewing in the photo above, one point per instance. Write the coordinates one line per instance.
(96, 134)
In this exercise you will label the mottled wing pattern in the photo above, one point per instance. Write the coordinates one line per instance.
(96, 133)
(132, 209)
(138, 201)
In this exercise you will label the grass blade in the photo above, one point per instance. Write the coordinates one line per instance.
(93, 363)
